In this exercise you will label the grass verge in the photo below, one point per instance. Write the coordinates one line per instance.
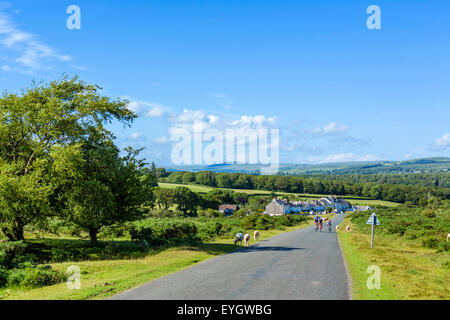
(408, 271)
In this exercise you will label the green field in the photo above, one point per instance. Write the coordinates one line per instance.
(352, 199)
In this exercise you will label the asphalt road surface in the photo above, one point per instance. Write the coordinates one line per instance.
(302, 264)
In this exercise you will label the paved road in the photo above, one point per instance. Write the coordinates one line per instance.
(302, 264)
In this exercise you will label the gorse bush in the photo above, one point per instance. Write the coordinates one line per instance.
(37, 277)
(429, 213)
(60, 255)
(429, 227)
(163, 231)
(10, 252)
(430, 243)
(264, 222)
(111, 251)
(4, 274)
(141, 233)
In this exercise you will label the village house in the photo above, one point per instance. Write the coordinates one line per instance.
(361, 208)
(228, 209)
(280, 207)
(277, 208)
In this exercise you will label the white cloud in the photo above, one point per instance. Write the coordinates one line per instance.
(28, 53)
(258, 121)
(442, 143)
(155, 111)
(162, 140)
(133, 106)
(331, 128)
(190, 116)
(146, 109)
(343, 157)
(136, 135)
(213, 119)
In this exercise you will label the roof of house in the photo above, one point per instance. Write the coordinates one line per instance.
(228, 206)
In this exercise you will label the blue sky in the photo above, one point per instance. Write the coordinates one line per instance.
(336, 90)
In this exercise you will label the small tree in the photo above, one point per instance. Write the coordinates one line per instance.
(187, 201)
(241, 198)
(164, 197)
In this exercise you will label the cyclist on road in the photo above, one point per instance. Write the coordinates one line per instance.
(316, 223)
(329, 225)
(321, 223)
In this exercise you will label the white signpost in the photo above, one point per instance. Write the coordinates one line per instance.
(373, 220)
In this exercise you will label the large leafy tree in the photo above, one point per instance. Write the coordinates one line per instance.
(99, 187)
(59, 114)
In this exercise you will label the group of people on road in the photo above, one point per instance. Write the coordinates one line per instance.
(318, 223)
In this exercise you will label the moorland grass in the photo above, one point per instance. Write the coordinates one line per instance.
(408, 270)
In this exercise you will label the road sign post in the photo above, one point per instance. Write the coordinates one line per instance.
(373, 220)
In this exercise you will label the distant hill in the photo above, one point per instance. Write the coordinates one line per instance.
(436, 164)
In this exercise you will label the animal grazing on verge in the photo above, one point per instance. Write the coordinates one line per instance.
(256, 235)
(337, 228)
(246, 239)
(348, 228)
(448, 237)
(239, 238)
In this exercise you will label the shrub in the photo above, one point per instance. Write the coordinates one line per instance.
(25, 261)
(443, 246)
(250, 222)
(241, 213)
(430, 243)
(111, 251)
(16, 277)
(265, 223)
(114, 232)
(141, 234)
(396, 228)
(429, 213)
(209, 230)
(163, 231)
(40, 276)
(3, 276)
(60, 255)
(9, 252)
